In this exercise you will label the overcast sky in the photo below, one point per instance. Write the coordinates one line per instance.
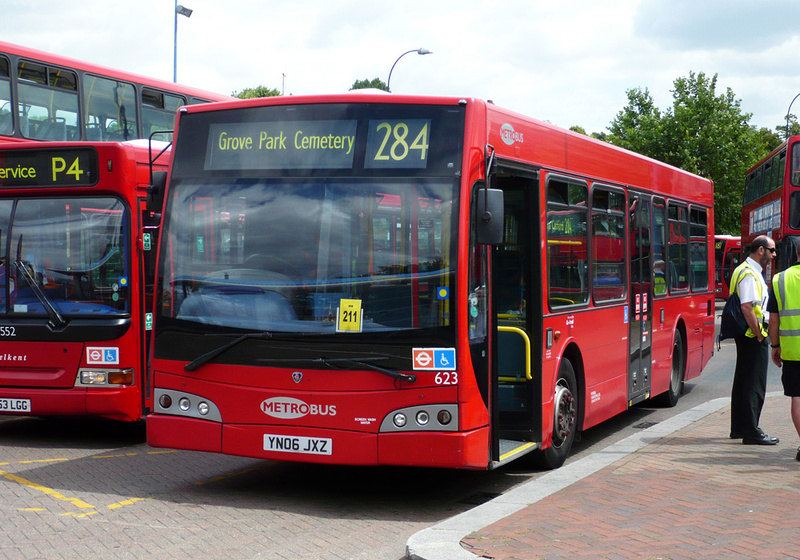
(569, 63)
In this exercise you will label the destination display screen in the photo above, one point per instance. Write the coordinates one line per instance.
(347, 139)
(70, 167)
(299, 145)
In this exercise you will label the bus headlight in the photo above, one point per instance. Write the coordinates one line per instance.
(92, 377)
(425, 418)
(105, 377)
(178, 403)
(400, 420)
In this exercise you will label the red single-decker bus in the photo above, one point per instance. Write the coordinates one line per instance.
(391, 280)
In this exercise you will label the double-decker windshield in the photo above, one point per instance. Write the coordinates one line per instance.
(64, 255)
(310, 255)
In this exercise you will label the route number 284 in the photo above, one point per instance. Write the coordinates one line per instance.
(446, 378)
(396, 141)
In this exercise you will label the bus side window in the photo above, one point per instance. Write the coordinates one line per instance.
(567, 243)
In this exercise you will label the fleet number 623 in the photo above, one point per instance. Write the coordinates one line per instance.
(446, 378)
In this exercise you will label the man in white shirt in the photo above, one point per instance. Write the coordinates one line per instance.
(752, 351)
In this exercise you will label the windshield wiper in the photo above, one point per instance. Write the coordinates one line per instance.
(56, 321)
(208, 356)
(409, 377)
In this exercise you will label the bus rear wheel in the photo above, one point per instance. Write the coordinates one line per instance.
(565, 419)
(670, 398)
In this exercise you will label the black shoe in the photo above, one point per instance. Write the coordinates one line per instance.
(797, 457)
(762, 439)
(736, 435)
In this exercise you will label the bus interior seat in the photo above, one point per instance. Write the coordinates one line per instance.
(251, 306)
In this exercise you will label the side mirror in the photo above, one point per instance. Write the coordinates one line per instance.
(489, 217)
(155, 192)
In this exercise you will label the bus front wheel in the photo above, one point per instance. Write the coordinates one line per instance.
(565, 419)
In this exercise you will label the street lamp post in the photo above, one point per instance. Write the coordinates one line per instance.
(788, 112)
(418, 51)
(184, 11)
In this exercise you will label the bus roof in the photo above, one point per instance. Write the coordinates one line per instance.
(589, 156)
(59, 60)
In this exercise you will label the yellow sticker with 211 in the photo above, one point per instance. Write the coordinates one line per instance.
(349, 316)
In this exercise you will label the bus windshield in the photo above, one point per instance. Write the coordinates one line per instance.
(64, 254)
(310, 255)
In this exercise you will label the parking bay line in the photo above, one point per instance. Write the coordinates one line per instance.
(77, 502)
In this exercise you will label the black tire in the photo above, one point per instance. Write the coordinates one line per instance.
(673, 394)
(565, 419)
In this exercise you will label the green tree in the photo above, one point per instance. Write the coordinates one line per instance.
(374, 83)
(794, 128)
(259, 91)
(638, 126)
(704, 132)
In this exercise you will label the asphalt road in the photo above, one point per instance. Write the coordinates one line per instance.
(80, 488)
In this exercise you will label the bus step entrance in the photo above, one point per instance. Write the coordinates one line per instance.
(512, 449)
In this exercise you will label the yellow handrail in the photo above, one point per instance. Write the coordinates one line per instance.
(527, 340)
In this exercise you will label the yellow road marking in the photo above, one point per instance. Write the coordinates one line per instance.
(49, 491)
(113, 456)
(73, 514)
(125, 503)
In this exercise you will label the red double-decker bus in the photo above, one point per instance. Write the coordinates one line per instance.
(728, 251)
(771, 204)
(391, 280)
(49, 97)
(77, 258)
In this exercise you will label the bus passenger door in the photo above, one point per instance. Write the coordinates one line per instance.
(516, 294)
(147, 244)
(639, 313)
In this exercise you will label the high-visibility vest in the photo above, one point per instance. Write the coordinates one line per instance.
(736, 277)
(786, 286)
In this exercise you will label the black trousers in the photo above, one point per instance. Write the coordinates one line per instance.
(749, 386)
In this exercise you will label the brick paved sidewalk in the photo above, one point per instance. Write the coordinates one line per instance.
(692, 494)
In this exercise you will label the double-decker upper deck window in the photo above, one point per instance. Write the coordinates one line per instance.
(158, 112)
(48, 102)
(698, 249)
(567, 243)
(6, 121)
(796, 165)
(779, 165)
(110, 109)
(608, 244)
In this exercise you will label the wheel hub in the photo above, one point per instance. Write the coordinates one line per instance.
(564, 415)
